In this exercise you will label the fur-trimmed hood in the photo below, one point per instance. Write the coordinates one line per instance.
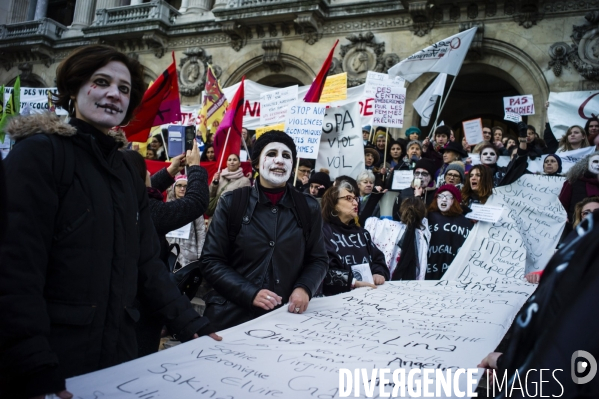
(48, 123)
(578, 170)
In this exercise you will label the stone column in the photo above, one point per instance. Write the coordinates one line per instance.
(31, 10)
(101, 4)
(136, 2)
(220, 4)
(84, 13)
(41, 9)
(198, 6)
(18, 11)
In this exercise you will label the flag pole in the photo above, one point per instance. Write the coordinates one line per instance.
(296, 172)
(223, 151)
(371, 133)
(385, 154)
(444, 101)
(245, 146)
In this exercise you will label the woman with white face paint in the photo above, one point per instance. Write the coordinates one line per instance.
(271, 259)
(449, 229)
(504, 175)
(581, 183)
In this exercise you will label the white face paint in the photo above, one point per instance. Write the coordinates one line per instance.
(488, 157)
(445, 201)
(276, 163)
(594, 164)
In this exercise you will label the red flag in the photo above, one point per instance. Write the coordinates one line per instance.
(313, 94)
(231, 125)
(160, 105)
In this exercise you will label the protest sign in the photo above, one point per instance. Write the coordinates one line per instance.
(182, 232)
(389, 106)
(251, 108)
(273, 104)
(512, 117)
(401, 325)
(335, 88)
(304, 125)
(402, 179)
(485, 213)
(571, 108)
(36, 99)
(473, 130)
(341, 148)
(376, 79)
(521, 105)
(261, 130)
(522, 241)
(569, 158)
(362, 273)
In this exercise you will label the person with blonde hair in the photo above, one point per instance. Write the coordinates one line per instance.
(574, 139)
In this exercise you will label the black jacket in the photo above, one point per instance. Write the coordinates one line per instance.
(268, 252)
(448, 234)
(70, 269)
(349, 245)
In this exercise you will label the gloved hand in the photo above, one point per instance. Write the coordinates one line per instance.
(522, 129)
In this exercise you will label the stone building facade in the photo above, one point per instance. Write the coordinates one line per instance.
(521, 46)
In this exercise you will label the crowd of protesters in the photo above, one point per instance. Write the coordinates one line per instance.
(92, 275)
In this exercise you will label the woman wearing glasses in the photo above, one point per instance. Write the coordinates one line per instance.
(449, 229)
(348, 244)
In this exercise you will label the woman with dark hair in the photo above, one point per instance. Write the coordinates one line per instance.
(157, 145)
(339, 210)
(81, 245)
(592, 129)
(411, 265)
(208, 154)
(478, 186)
(319, 183)
(226, 180)
(497, 139)
(449, 229)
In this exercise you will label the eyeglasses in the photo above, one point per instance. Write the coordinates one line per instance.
(421, 174)
(445, 197)
(453, 176)
(349, 198)
(183, 186)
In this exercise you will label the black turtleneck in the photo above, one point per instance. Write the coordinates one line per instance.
(105, 143)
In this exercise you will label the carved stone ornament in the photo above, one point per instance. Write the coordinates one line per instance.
(310, 27)
(476, 48)
(156, 42)
(237, 34)
(272, 55)
(528, 13)
(192, 71)
(559, 57)
(361, 56)
(584, 53)
(422, 20)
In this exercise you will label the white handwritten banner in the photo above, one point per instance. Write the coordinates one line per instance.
(274, 104)
(35, 99)
(377, 79)
(389, 106)
(522, 241)
(569, 158)
(341, 147)
(512, 117)
(413, 324)
(521, 105)
(571, 108)
(304, 124)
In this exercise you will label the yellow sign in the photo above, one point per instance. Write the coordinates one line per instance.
(261, 130)
(335, 88)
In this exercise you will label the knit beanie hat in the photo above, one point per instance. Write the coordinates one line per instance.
(180, 177)
(321, 178)
(272, 136)
(457, 195)
(559, 162)
(427, 165)
(412, 130)
(458, 168)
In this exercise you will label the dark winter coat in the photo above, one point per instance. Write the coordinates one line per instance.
(448, 234)
(427, 197)
(349, 245)
(269, 252)
(71, 269)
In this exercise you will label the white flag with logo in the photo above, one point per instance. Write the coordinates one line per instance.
(445, 56)
(425, 104)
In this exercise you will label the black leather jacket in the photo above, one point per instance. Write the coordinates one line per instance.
(269, 236)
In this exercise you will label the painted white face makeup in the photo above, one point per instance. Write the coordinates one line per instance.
(445, 201)
(594, 164)
(276, 163)
(103, 100)
(488, 157)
